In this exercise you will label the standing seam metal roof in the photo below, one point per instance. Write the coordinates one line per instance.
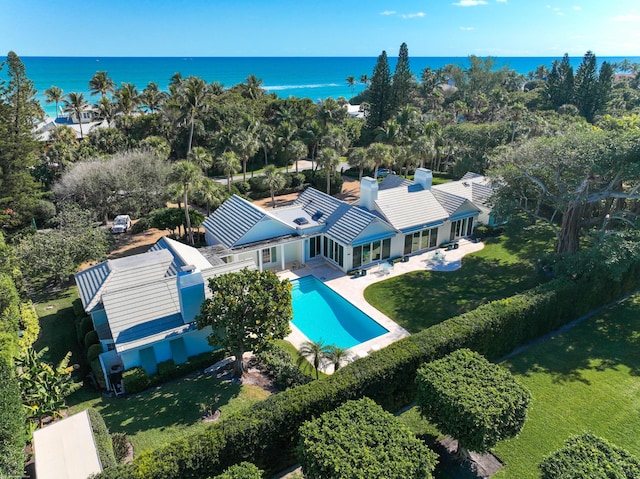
(232, 220)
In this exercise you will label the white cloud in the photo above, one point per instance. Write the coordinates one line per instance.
(467, 29)
(413, 15)
(470, 3)
(501, 1)
(388, 12)
(629, 17)
(577, 8)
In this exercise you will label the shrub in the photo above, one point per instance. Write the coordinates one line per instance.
(120, 443)
(474, 401)
(135, 380)
(93, 352)
(590, 456)
(91, 339)
(360, 439)
(96, 369)
(281, 368)
(140, 226)
(83, 326)
(12, 421)
(102, 438)
(244, 470)
(267, 430)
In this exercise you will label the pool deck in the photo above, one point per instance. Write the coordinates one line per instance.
(352, 288)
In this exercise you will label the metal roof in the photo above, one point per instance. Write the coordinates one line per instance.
(232, 220)
(449, 201)
(408, 206)
(393, 181)
(313, 201)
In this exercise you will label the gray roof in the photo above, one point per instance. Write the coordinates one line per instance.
(481, 193)
(232, 220)
(313, 201)
(450, 202)
(393, 181)
(410, 206)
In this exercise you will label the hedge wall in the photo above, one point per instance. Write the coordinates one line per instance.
(266, 433)
(12, 423)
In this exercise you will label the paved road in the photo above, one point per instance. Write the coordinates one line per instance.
(302, 165)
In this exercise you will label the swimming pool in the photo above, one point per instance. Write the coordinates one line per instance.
(322, 314)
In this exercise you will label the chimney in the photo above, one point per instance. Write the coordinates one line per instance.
(424, 178)
(190, 286)
(368, 192)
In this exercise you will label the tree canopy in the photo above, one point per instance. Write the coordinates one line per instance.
(472, 400)
(247, 310)
(360, 439)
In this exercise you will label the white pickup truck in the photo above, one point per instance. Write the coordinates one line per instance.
(121, 224)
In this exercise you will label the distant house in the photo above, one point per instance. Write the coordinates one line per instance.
(143, 306)
(394, 218)
(90, 122)
(66, 449)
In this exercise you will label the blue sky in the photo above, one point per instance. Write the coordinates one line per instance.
(319, 28)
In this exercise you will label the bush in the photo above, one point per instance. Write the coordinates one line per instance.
(281, 368)
(102, 438)
(135, 380)
(360, 439)
(96, 369)
(93, 352)
(83, 326)
(242, 187)
(91, 338)
(140, 226)
(244, 470)
(120, 443)
(267, 430)
(12, 421)
(590, 456)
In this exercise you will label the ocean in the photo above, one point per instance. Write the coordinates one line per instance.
(302, 77)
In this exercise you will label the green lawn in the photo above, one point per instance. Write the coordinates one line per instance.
(585, 379)
(421, 299)
(57, 328)
(160, 415)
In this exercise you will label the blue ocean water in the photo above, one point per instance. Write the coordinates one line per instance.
(302, 77)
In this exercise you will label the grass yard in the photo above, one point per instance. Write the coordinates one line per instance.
(587, 379)
(57, 328)
(504, 267)
(167, 412)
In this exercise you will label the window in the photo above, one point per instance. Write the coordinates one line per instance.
(314, 246)
(269, 255)
(460, 228)
(357, 256)
(375, 251)
(386, 248)
(369, 252)
(420, 240)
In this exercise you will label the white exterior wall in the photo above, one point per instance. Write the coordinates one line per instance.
(196, 341)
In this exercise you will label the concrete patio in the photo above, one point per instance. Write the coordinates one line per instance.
(352, 288)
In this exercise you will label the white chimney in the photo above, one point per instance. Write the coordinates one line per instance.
(368, 192)
(424, 178)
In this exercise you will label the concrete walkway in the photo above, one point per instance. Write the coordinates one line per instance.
(352, 288)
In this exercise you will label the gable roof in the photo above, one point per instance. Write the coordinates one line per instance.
(313, 201)
(232, 220)
(409, 206)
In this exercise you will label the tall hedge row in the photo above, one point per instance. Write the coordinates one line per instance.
(266, 434)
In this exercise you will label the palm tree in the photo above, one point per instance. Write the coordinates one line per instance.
(152, 98)
(379, 154)
(358, 158)
(245, 143)
(186, 174)
(254, 87)
(201, 157)
(296, 150)
(76, 104)
(210, 193)
(316, 350)
(351, 81)
(274, 180)
(54, 95)
(106, 109)
(229, 164)
(195, 93)
(102, 84)
(266, 138)
(364, 79)
(127, 98)
(336, 355)
(328, 160)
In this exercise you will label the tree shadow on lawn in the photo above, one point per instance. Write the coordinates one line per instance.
(422, 299)
(179, 403)
(603, 342)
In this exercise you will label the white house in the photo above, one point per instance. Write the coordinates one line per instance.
(90, 122)
(393, 219)
(143, 306)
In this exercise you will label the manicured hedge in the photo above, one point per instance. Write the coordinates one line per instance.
(244, 470)
(102, 438)
(266, 433)
(12, 423)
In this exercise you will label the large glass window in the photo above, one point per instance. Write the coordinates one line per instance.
(314, 246)
(460, 228)
(375, 251)
(386, 248)
(369, 252)
(408, 239)
(357, 256)
(269, 255)
(420, 240)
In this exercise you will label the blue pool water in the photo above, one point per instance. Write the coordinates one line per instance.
(322, 314)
